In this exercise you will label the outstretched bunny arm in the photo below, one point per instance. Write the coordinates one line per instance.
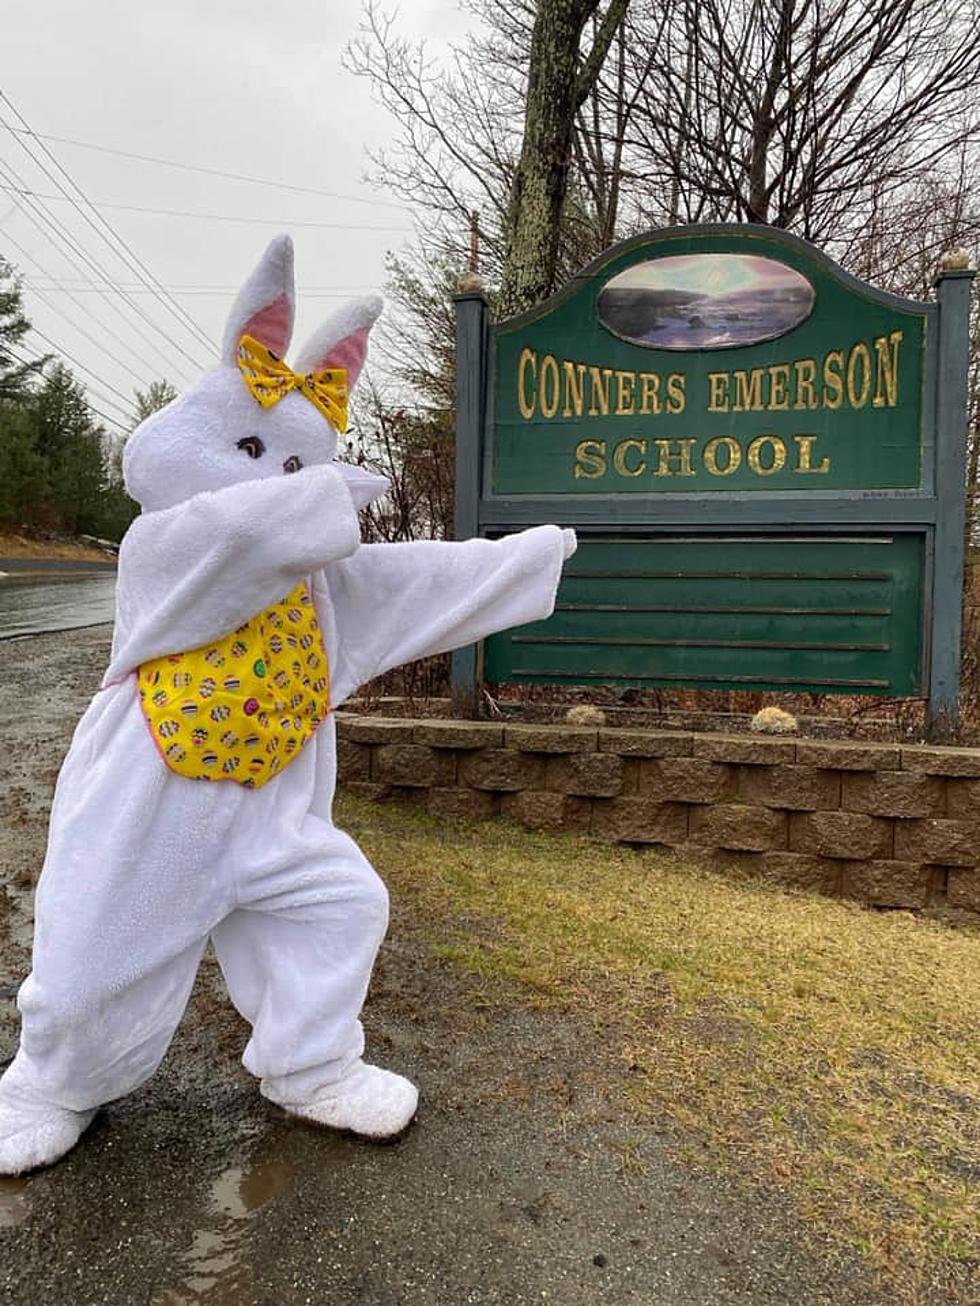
(396, 602)
(192, 573)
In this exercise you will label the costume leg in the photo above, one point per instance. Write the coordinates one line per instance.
(297, 959)
(68, 1065)
(84, 1043)
(124, 906)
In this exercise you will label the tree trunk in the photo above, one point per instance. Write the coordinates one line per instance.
(557, 86)
(764, 120)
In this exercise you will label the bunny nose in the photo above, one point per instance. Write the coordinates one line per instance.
(292, 464)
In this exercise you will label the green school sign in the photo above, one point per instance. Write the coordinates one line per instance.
(763, 457)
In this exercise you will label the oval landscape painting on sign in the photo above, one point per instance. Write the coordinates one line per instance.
(705, 301)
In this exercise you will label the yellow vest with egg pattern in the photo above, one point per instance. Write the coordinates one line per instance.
(242, 707)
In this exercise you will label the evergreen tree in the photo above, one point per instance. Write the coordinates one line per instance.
(145, 403)
(23, 474)
(156, 396)
(57, 465)
(72, 448)
(16, 374)
(118, 509)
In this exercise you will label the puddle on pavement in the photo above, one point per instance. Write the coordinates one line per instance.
(214, 1274)
(15, 1206)
(214, 1271)
(238, 1192)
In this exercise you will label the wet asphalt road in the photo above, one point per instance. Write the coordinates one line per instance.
(38, 595)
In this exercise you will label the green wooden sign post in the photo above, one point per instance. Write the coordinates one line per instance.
(764, 458)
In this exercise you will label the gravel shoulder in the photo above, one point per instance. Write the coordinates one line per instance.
(524, 1180)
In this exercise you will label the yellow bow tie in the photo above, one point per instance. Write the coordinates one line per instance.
(269, 379)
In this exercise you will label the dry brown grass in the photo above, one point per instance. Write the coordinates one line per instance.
(22, 546)
(804, 1042)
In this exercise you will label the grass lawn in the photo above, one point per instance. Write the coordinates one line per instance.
(801, 1042)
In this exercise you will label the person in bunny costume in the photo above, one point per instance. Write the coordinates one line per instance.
(195, 799)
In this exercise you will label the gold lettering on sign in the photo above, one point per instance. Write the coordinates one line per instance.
(590, 459)
(574, 374)
(548, 386)
(721, 455)
(674, 451)
(779, 387)
(753, 455)
(649, 392)
(620, 453)
(864, 375)
(886, 387)
(748, 391)
(528, 360)
(676, 396)
(833, 379)
(733, 456)
(599, 391)
(806, 378)
(857, 396)
(804, 455)
(625, 383)
(717, 392)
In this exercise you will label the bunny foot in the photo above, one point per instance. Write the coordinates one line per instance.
(33, 1135)
(368, 1101)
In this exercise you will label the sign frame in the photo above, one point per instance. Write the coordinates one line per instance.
(935, 510)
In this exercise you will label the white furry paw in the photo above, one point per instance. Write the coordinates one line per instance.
(33, 1136)
(369, 1101)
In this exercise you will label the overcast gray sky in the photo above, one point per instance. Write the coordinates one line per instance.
(245, 87)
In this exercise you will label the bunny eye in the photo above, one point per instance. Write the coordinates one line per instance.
(292, 464)
(252, 445)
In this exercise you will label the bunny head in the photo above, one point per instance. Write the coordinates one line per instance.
(246, 419)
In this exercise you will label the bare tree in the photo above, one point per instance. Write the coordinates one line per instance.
(456, 130)
(851, 122)
(821, 116)
(415, 451)
(462, 126)
(806, 114)
(558, 84)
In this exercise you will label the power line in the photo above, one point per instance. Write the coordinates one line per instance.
(216, 217)
(192, 287)
(106, 417)
(42, 218)
(135, 262)
(72, 359)
(88, 336)
(48, 224)
(219, 291)
(143, 273)
(212, 172)
(40, 292)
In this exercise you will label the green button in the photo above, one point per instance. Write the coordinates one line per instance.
(259, 668)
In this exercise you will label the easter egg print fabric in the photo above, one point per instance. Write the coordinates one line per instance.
(242, 708)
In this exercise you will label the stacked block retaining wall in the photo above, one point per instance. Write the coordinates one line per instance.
(888, 824)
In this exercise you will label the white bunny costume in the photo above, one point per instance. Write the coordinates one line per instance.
(146, 863)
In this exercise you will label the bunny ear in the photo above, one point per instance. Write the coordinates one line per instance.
(265, 304)
(342, 340)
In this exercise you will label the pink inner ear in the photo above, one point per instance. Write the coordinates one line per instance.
(350, 353)
(271, 326)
